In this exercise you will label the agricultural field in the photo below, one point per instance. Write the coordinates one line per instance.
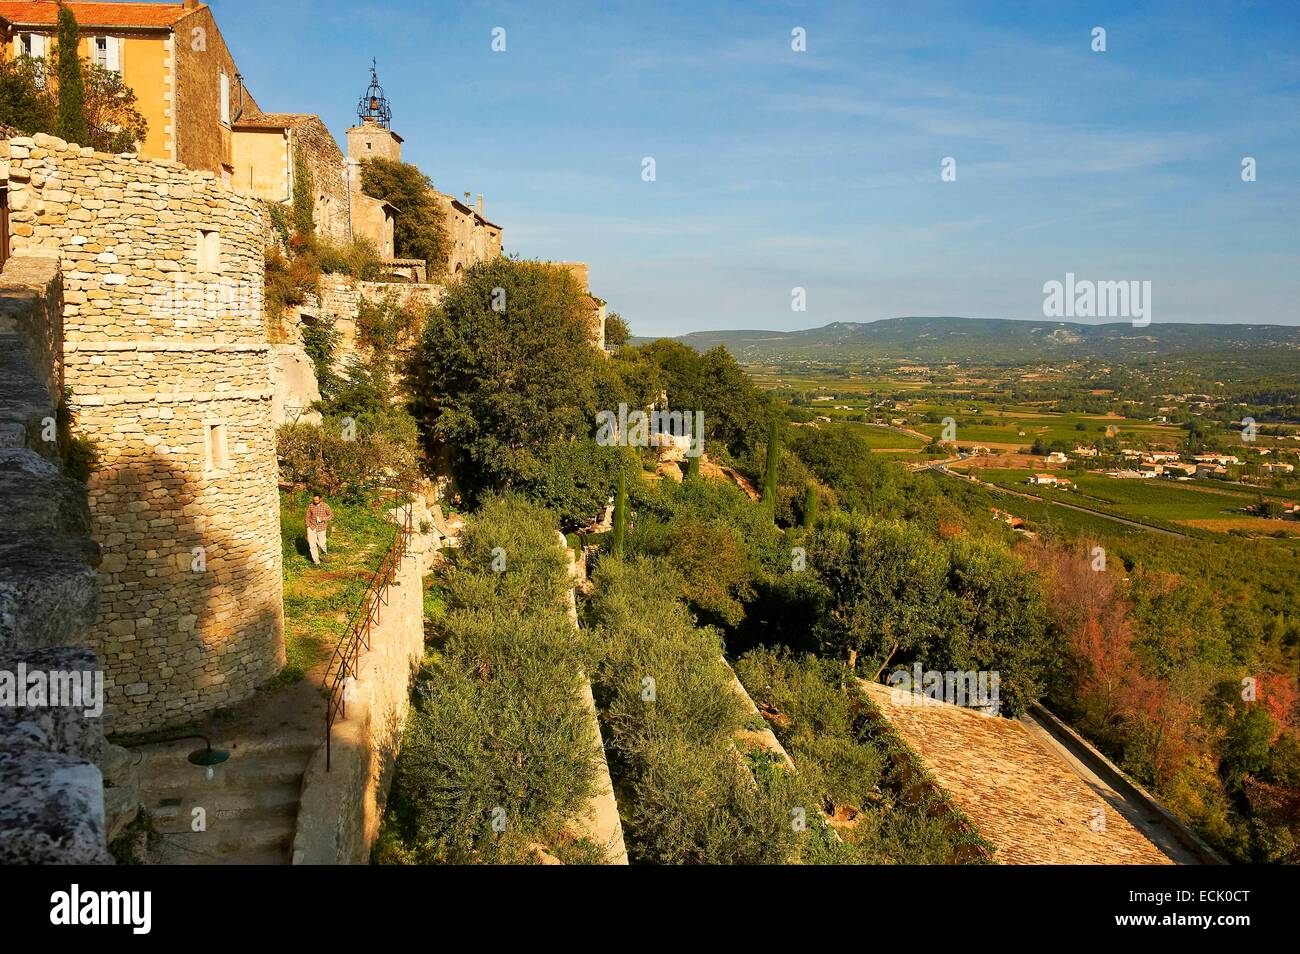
(1159, 503)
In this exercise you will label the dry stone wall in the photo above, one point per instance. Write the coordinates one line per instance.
(51, 790)
(167, 359)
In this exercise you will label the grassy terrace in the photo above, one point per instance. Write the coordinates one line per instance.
(318, 600)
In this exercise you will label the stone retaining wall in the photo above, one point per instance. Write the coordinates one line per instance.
(341, 808)
(51, 790)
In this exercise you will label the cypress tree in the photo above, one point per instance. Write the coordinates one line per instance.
(809, 515)
(692, 467)
(71, 119)
(620, 515)
(773, 466)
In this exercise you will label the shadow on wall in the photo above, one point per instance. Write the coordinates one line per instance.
(191, 616)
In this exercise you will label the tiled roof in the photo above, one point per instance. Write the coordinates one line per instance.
(276, 120)
(46, 13)
(1021, 796)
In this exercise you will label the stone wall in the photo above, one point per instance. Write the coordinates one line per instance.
(36, 309)
(51, 790)
(202, 140)
(340, 302)
(169, 368)
(325, 162)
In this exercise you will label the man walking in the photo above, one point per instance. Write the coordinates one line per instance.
(319, 515)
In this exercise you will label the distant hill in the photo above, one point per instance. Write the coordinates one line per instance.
(995, 341)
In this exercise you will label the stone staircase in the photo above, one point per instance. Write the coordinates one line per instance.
(250, 802)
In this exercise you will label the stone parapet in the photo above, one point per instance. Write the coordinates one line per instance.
(51, 735)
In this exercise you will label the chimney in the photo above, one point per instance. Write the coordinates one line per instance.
(480, 203)
(191, 4)
(467, 200)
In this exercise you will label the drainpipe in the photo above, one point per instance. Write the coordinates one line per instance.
(239, 112)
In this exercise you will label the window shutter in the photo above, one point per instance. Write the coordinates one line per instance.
(114, 54)
(38, 46)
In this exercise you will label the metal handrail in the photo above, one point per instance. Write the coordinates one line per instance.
(342, 668)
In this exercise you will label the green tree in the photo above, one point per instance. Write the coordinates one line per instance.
(809, 515)
(114, 122)
(617, 332)
(420, 230)
(71, 119)
(735, 410)
(499, 380)
(24, 103)
(885, 580)
(773, 466)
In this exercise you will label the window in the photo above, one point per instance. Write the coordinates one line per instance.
(107, 52)
(33, 45)
(215, 449)
(225, 99)
(208, 250)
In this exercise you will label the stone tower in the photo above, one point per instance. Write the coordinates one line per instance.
(373, 137)
(168, 366)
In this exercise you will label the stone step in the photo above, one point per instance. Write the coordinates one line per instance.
(254, 772)
(229, 815)
(259, 841)
(174, 811)
(290, 744)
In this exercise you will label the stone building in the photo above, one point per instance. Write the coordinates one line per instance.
(579, 271)
(172, 55)
(166, 357)
(473, 238)
(265, 149)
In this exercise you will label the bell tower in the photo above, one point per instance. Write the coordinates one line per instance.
(373, 137)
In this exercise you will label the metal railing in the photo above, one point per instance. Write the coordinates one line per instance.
(341, 672)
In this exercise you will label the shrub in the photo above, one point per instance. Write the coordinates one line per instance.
(690, 798)
(353, 455)
(498, 731)
(358, 258)
(845, 766)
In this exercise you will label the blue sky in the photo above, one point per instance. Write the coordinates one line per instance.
(821, 169)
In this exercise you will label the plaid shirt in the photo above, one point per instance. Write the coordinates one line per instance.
(318, 515)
